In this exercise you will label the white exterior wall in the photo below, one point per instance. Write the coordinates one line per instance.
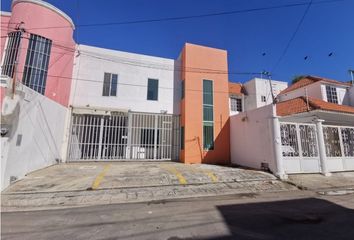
(313, 90)
(132, 80)
(258, 87)
(40, 121)
(317, 90)
(342, 94)
(251, 138)
(351, 96)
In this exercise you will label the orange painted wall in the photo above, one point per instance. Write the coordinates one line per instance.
(197, 65)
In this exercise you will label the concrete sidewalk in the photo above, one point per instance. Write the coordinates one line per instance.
(319, 182)
(83, 184)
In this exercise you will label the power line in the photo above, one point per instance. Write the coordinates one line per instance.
(120, 83)
(152, 65)
(191, 16)
(293, 35)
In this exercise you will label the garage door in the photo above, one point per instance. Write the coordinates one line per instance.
(124, 136)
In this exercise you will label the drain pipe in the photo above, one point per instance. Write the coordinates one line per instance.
(276, 142)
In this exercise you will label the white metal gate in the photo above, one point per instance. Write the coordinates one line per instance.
(339, 145)
(123, 135)
(299, 147)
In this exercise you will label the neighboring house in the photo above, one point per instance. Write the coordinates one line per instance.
(255, 93)
(310, 129)
(321, 88)
(260, 92)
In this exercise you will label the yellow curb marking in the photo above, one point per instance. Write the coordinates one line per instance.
(211, 175)
(174, 171)
(100, 177)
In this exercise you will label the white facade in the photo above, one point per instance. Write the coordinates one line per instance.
(318, 90)
(35, 137)
(133, 72)
(351, 95)
(251, 139)
(259, 92)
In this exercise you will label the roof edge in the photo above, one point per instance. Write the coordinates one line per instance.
(48, 6)
(4, 13)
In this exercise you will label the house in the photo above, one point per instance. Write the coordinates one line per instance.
(63, 101)
(253, 94)
(309, 130)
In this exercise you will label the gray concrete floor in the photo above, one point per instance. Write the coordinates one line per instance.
(92, 183)
(284, 215)
(110, 175)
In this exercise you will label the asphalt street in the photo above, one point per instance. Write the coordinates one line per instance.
(283, 215)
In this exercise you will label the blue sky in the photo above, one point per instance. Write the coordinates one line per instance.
(327, 28)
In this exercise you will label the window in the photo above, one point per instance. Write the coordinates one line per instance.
(37, 61)
(182, 93)
(331, 94)
(208, 115)
(110, 82)
(236, 104)
(11, 52)
(153, 89)
(182, 138)
(263, 98)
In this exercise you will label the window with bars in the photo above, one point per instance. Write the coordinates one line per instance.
(331, 94)
(110, 82)
(11, 52)
(208, 115)
(236, 104)
(37, 61)
(153, 89)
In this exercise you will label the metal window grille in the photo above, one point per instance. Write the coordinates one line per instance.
(153, 89)
(331, 94)
(236, 104)
(110, 82)
(332, 141)
(348, 141)
(308, 140)
(124, 136)
(11, 52)
(289, 141)
(37, 61)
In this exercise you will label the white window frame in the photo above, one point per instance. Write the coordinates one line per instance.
(236, 102)
(332, 94)
(110, 84)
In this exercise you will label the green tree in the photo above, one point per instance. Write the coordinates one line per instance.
(296, 78)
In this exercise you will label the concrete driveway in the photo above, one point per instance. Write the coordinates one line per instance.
(91, 183)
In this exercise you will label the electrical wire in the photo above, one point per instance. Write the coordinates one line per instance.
(293, 36)
(189, 17)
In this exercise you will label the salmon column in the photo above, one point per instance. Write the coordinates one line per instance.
(205, 132)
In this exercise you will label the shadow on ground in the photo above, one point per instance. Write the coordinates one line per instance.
(309, 218)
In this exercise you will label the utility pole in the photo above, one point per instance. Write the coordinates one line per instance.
(270, 84)
(14, 78)
(351, 71)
